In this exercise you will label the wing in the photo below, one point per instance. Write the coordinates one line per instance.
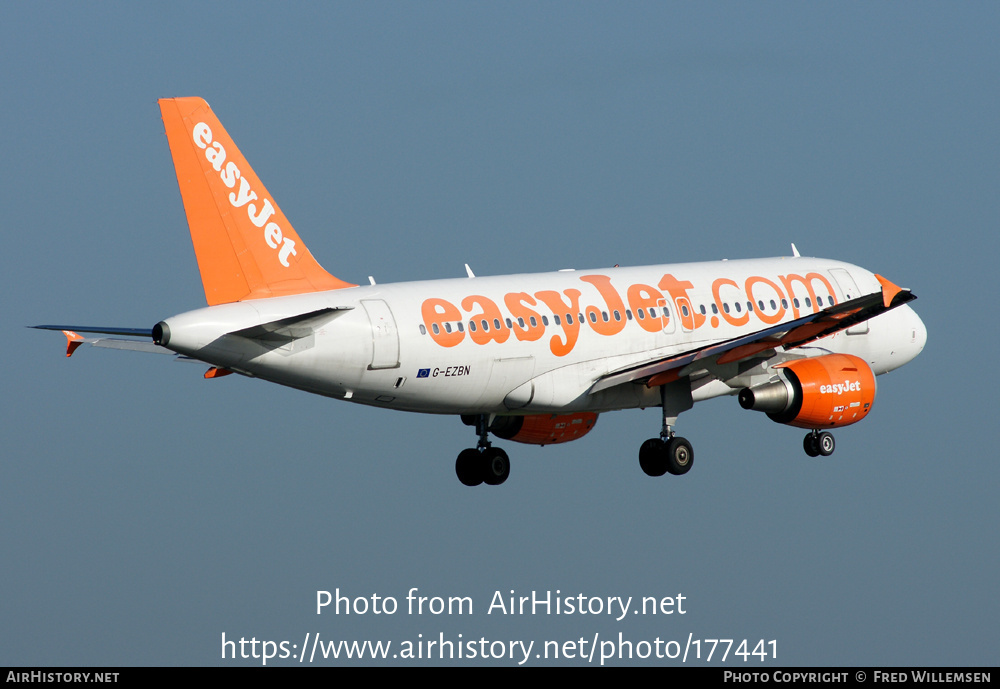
(780, 337)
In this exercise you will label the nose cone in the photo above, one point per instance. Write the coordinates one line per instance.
(897, 337)
(920, 332)
(913, 337)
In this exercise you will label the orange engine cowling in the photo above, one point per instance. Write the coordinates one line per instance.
(543, 429)
(819, 392)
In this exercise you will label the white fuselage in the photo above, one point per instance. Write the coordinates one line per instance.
(422, 346)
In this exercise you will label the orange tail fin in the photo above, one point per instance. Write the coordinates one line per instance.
(245, 246)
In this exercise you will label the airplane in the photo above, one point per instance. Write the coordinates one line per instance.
(530, 358)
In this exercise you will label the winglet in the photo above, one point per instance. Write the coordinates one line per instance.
(889, 290)
(72, 341)
(245, 246)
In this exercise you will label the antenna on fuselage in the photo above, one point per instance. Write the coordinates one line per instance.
(795, 252)
(468, 271)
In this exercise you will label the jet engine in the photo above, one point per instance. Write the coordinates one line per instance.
(543, 429)
(818, 392)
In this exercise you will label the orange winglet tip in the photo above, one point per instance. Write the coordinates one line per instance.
(73, 341)
(889, 290)
(216, 372)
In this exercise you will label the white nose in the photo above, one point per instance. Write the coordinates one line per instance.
(916, 333)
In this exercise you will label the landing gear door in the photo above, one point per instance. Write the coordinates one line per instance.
(385, 336)
(850, 291)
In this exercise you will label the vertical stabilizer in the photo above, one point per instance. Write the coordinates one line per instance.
(245, 246)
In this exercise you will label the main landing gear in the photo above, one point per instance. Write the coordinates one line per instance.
(818, 443)
(669, 453)
(483, 463)
(658, 456)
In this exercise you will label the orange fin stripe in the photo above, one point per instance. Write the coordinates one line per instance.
(245, 246)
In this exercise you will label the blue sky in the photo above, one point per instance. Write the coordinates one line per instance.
(145, 511)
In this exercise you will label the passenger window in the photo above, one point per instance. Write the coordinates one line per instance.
(511, 325)
(760, 304)
(447, 327)
(641, 314)
(472, 326)
(652, 312)
(628, 313)
(486, 326)
(684, 309)
(784, 303)
(739, 307)
(534, 323)
(496, 323)
(436, 329)
(749, 306)
(715, 309)
(520, 322)
(702, 308)
(461, 328)
(808, 303)
(773, 305)
(604, 315)
(545, 320)
(618, 316)
(593, 317)
(423, 330)
(796, 302)
(569, 319)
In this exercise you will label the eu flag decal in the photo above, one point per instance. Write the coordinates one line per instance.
(423, 373)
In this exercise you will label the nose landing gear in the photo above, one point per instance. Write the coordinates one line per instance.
(819, 443)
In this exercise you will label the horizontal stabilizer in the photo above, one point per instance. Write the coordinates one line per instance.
(293, 327)
(130, 345)
(129, 332)
(74, 339)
